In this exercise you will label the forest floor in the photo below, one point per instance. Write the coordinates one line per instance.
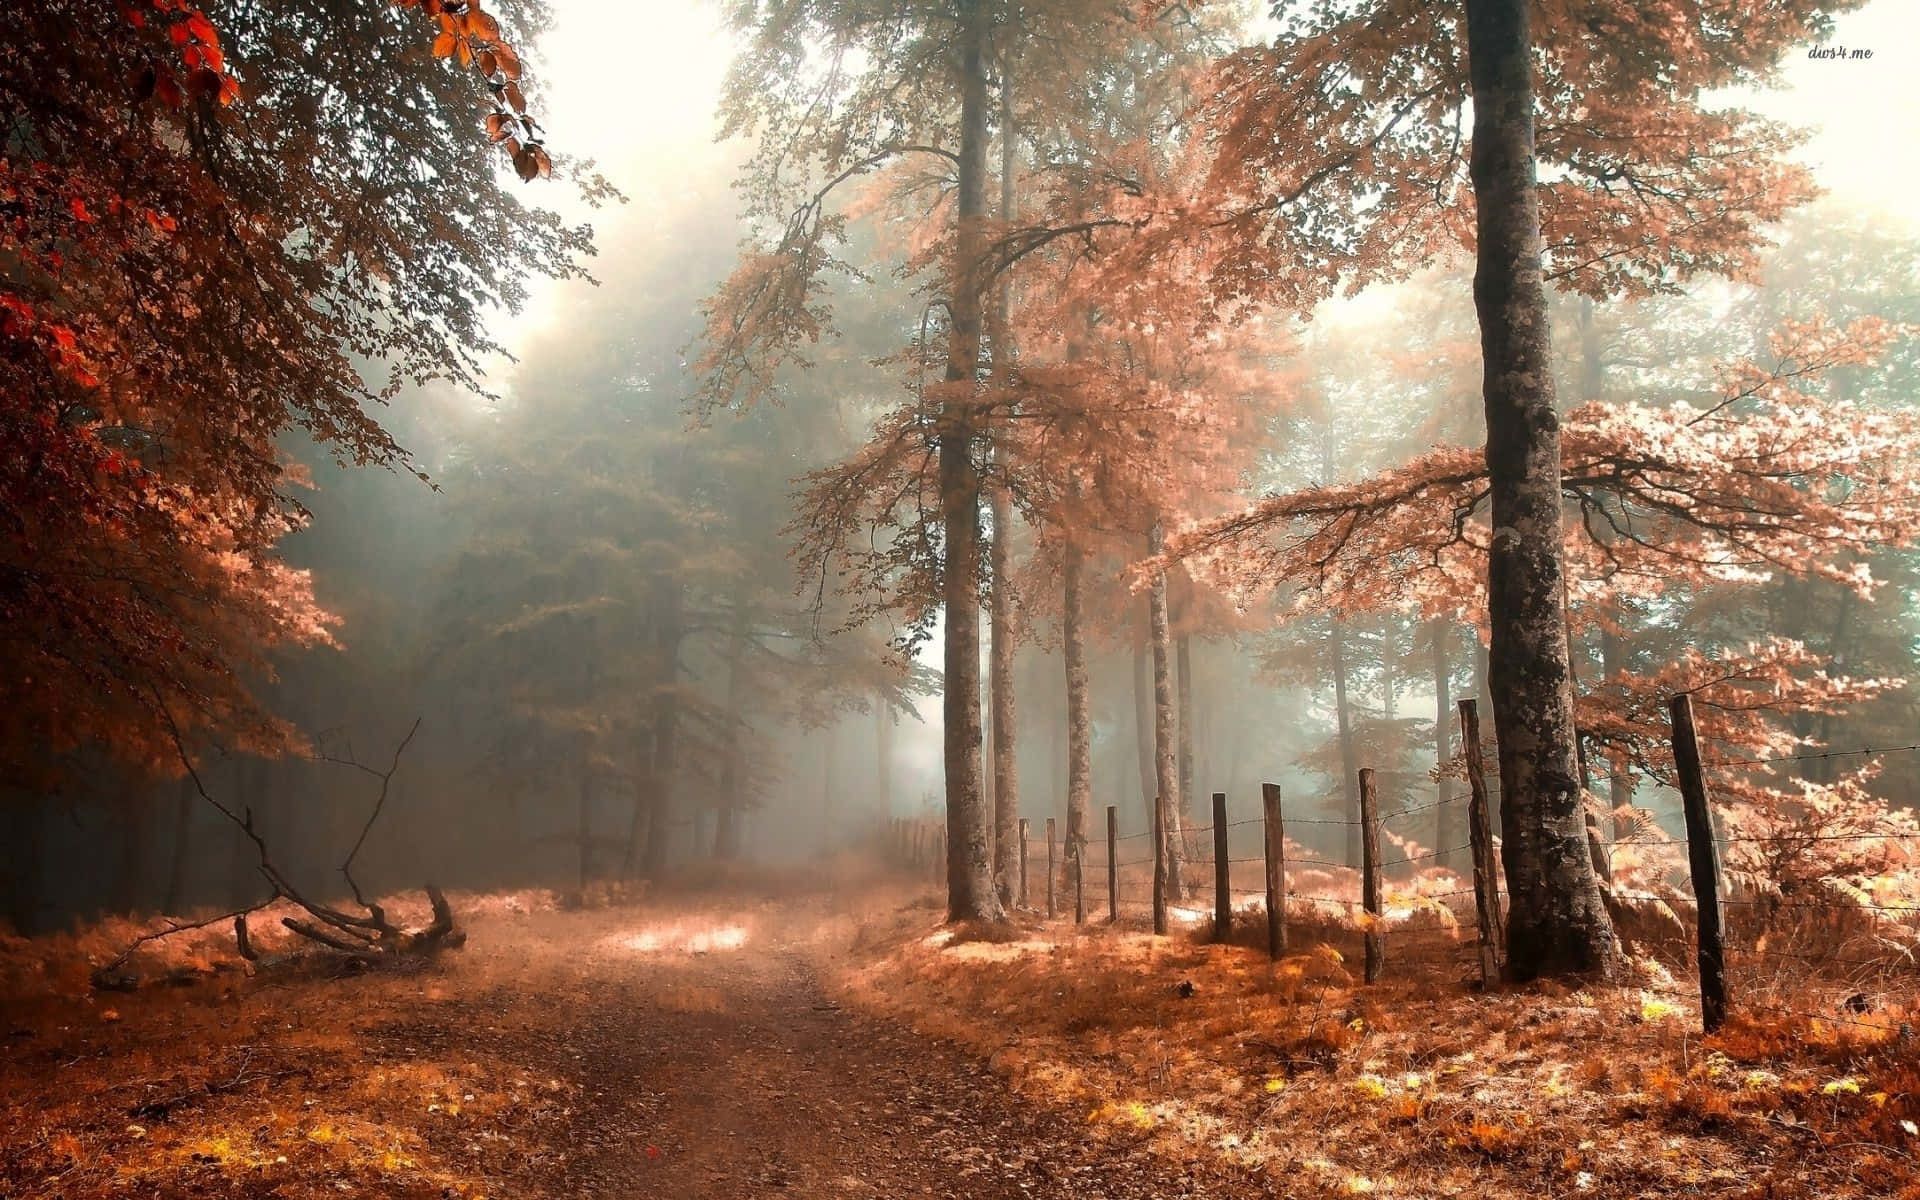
(837, 1042)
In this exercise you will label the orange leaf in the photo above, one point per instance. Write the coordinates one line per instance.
(509, 61)
(443, 45)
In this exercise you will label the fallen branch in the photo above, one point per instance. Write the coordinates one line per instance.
(362, 938)
(108, 976)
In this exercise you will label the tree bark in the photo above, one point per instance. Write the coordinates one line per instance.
(1166, 772)
(1557, 921)
(1446, 826)
(1079, 722)
(1349, 753)
(970, 884)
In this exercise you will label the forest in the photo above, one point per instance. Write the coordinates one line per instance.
(959, 598)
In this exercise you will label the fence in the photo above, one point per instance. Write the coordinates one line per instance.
(1258, 875)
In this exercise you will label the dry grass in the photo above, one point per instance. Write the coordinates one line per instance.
(292, 1084)
(1419, 1085)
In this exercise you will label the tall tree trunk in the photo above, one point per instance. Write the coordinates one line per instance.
(1596, 845)
(1557, 921)
(829, 799)
(181, 854)
(1006, 785)
(1143, 716)
(1613, 659)
(136, 834)
(1166, 775)
(1349, 752)
(25, 854)
(726, 832)
(1447, 830)
(883, 755)
(584, 816)
(970, 890)
(243, 862)
(668, 628)
(1183, 721)
(1079, 722)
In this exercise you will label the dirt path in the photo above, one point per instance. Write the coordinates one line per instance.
(685, 1049)
(736, 1066)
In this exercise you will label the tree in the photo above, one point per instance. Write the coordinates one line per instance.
(1336, 158)
(818, 118)
(1558, 922)
(149, 169)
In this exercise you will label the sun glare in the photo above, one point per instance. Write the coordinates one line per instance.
(683, 938)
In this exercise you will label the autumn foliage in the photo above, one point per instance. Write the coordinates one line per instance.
(201, 258)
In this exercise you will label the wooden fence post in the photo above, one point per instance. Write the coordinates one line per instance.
(1486, 882)
(1050, 868)
(1222, 885)
(1113, 864)
(1703, 863)
(1159, 870)
(1023, 862)
(1276, 870)
(1370, 874)
(1077, 850)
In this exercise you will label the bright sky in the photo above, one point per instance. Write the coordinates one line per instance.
(644, 104)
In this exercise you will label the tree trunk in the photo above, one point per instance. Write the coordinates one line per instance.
(1143, 717)
(667, 631)
(883, 755)
(1079, 723)
(1447, 829)
(136, 834)
(1557, 922)
(243, 862)
(1166, 770)
(1183, 720)
(970, 890)
(584, 833)
(829, 808)
(1006, 785)
(1349, 752)
(183, 802)
(1613, 659)
(726, 833)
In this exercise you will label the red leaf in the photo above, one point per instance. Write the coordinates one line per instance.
(79, 209)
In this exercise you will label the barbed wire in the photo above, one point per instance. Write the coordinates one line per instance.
(1811, 756)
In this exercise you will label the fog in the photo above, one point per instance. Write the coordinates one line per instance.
(593, 567)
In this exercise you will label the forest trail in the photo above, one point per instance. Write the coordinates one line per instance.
(734, 1063)
(684, 1047)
